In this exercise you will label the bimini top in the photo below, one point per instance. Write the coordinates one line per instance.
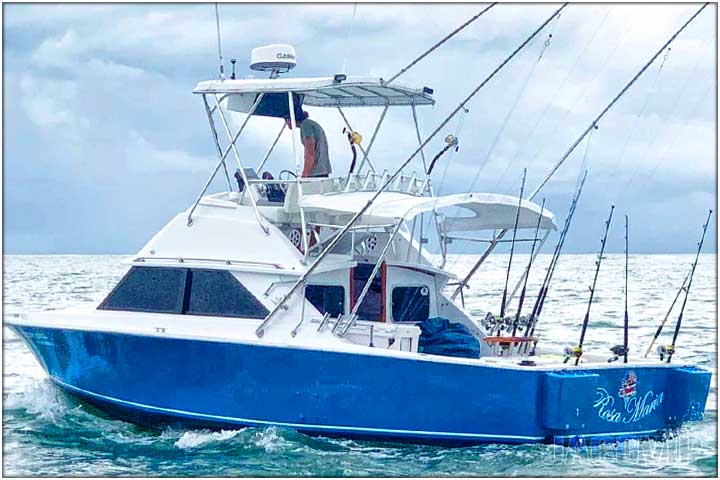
(320, 91)
(481, 211)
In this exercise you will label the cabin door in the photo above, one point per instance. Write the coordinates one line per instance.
(373, 307)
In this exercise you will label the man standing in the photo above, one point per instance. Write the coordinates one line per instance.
(317, 161)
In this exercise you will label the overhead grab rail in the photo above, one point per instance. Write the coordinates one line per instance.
(590, 127)
(261, 328)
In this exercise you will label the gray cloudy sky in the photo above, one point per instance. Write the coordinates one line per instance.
(104, 142)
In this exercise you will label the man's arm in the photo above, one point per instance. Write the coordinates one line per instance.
(309, 144)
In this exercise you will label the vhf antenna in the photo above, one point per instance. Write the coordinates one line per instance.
(221, 69)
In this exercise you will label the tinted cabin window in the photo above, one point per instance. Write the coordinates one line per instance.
(372, 306)
(327, 298)
(218, 293)
(148, 289)
(410, 304)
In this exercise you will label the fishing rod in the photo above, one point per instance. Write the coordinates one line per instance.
(512, 247)
(622, 350)
(670, 350)
(540, 300)
(562, 160)
(577, 351)
(260, 330)
(667, 315)
(527, 270)
(627, 317)
(451, 141)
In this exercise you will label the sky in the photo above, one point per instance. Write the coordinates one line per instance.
(104, 141)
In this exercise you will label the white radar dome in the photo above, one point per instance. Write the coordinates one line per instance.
(273, 58)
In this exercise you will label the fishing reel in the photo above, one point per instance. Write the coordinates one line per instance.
(572, 352)
(491, 322)
(618, 351)
(354, 138)
(665, 351)
(451, 141)
(523, 321)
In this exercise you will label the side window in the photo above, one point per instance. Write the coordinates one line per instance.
(148, 289)
(218, 293)
(327, 298)
(410, 304)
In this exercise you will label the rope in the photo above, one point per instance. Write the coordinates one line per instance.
(621, 188)
(512, 110)
(693, 111)
(631, 134)
(531, 135)
(506, 120)
(578, 98)
(615, 100)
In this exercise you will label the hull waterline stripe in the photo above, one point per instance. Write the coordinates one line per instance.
(609, 434)
(305, 426)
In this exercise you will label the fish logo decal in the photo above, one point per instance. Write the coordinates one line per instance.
(628, 386)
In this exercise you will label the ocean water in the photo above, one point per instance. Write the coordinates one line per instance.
(48, 433)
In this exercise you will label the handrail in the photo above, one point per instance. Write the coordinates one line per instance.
(222, 157)
(237, 155)
(366, 152)
(277, 266)
(270, 150)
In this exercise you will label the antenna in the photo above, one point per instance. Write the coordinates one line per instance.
(221, 69)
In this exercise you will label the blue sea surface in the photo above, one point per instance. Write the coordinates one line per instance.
(48, 433)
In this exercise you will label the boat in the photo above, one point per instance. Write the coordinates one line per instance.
(312, 304)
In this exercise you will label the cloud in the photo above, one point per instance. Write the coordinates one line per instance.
(102, 102)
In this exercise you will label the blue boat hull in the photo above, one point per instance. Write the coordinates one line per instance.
(203, 383)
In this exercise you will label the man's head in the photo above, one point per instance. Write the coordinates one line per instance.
(298, 120)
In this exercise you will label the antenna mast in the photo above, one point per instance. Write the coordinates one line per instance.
(221, 69)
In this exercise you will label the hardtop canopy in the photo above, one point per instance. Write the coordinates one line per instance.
(318, 92)
(485, 211)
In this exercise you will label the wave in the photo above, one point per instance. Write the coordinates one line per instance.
(40, 399)
(197, 438)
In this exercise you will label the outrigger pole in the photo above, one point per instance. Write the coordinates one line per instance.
(336, 239)
(667, 315)
(577, 351)
(527, 271)
(557, 165)
(445, 39)
(512, 246)
(670, 350)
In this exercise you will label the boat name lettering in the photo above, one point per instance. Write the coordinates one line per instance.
(635, 407)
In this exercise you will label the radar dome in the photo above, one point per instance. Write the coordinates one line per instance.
(273, 58)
